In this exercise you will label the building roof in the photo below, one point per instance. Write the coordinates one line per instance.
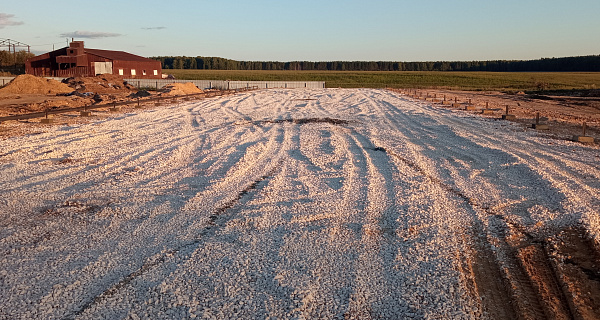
(116, 55)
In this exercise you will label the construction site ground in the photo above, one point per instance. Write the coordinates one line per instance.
(311, 203)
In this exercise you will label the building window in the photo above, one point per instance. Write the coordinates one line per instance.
(144, 72)
(133, 72)
(121, 72)
(155, 72)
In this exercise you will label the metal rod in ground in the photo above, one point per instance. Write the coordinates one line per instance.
(506, 109)
(584, 128)
(537, 118)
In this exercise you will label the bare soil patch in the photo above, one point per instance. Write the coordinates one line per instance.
(178, 89)
(564, 113)
(553, 278)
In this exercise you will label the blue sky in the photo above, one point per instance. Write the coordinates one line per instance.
(418, 30)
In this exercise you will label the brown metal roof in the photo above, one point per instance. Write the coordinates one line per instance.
(116, 55)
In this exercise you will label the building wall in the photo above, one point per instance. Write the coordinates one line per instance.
(45, 66)
(136, 69)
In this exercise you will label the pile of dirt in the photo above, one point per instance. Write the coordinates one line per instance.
(28, 84)
(102, 84)
(179, 89)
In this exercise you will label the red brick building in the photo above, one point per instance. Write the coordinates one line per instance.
(78, 61)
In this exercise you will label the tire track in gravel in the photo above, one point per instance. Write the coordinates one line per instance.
(526, 290)
(183, 252)
(374, 267)
(292, 128)
(232, 182)
(243, 163)
(533, 277)
(540, 159)
(235, 178)
(138, 154)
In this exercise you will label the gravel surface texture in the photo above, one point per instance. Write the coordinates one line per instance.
(278, 204)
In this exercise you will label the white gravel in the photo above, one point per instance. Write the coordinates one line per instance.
(226, 208)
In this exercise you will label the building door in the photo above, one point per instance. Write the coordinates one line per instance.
(103, 67)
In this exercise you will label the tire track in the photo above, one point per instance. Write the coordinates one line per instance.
(218, 219)
(530, 273)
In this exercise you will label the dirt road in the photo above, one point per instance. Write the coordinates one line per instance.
(319, 204)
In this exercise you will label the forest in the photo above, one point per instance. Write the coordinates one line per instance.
(16, 62)
(567, 64)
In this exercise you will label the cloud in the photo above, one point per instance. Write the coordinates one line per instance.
(89, 34)
(7, 20)
(154, 28)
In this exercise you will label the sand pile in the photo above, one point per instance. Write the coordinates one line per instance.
(28, 84)
(102, 84)
(179, 89)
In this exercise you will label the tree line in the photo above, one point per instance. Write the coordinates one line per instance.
(573, 64)
(14, 62)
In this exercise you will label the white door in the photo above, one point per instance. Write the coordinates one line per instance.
(103, 67)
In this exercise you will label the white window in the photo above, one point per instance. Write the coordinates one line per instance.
(133, 72)
(121, 72)
(144, 72)
(155, 72)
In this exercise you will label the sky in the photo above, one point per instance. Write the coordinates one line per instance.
(312, 30)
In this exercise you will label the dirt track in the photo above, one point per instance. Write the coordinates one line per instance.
(299, 203)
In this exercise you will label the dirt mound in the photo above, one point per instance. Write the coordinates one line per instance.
(28, 84)
(102, 84)
(179, 89)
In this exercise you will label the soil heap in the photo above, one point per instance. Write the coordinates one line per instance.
(179, 89)
(28, 84)
(102, 84)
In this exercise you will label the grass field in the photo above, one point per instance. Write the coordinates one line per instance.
(504, 81)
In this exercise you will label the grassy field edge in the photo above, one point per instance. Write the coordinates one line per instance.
(503, 81)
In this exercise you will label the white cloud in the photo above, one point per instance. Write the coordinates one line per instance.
(7, 20)
(154, 28)
(89, 34)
